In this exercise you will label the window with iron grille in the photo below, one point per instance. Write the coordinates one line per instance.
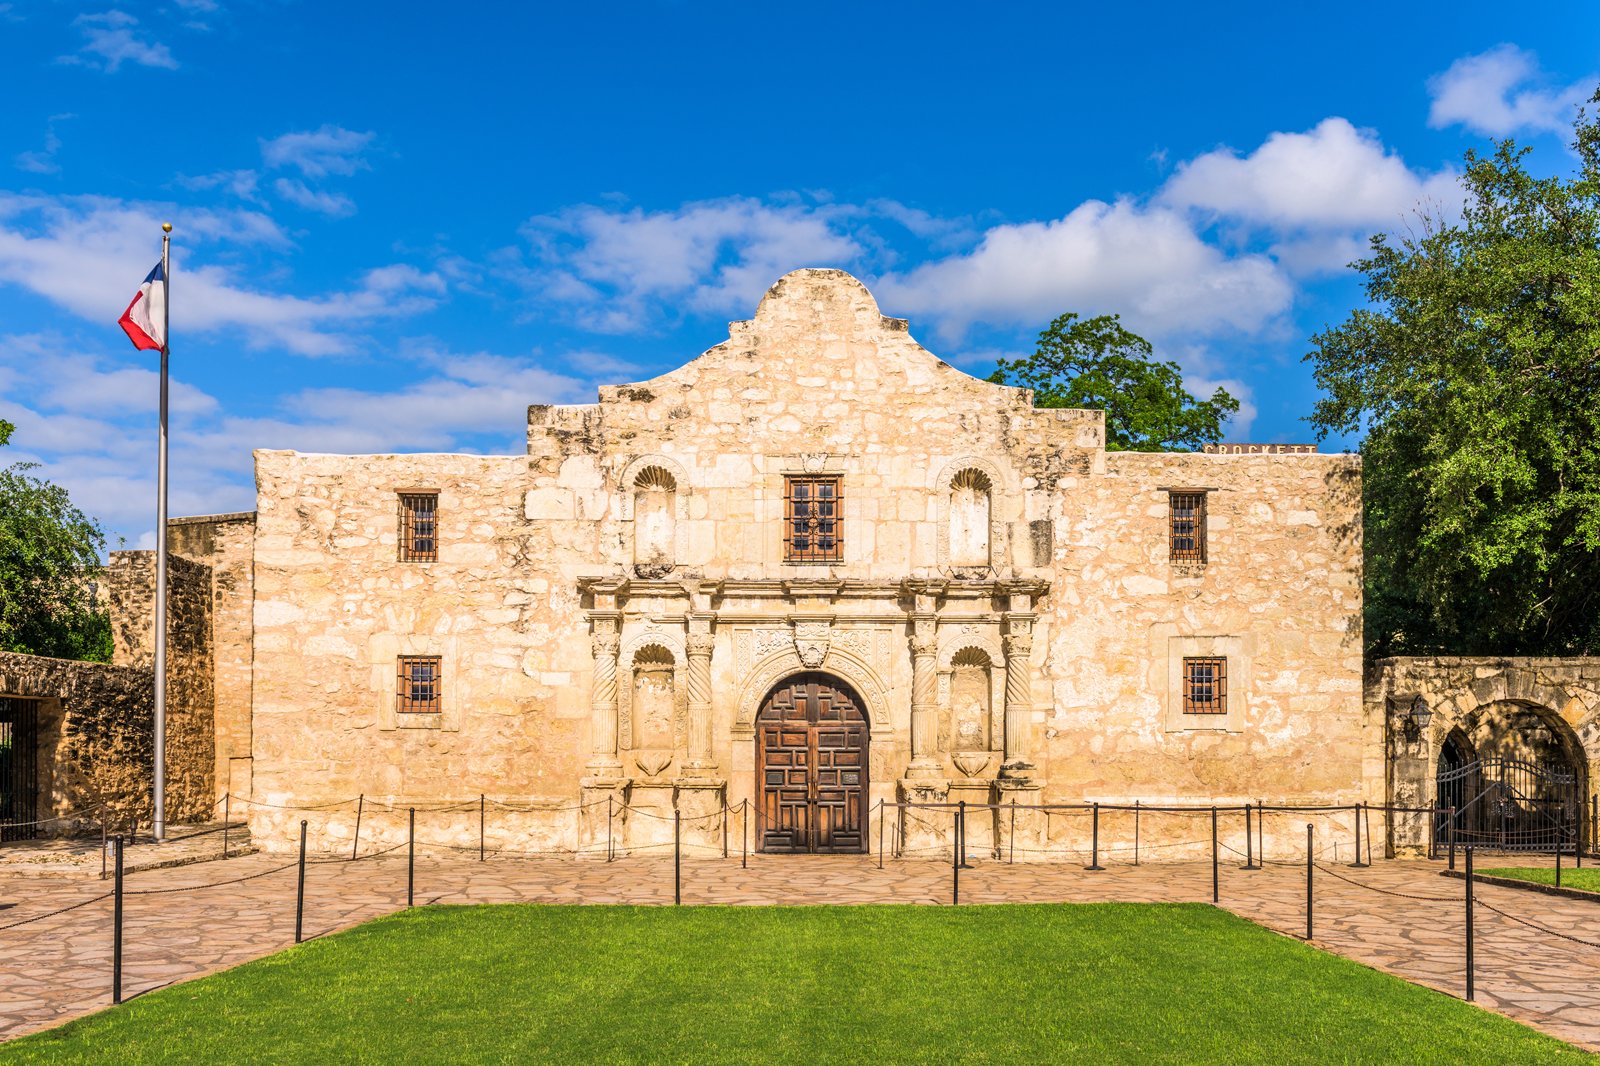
(1186, 526)
(419, 514)
(419, 683)
(813, 526)
(1205, 686)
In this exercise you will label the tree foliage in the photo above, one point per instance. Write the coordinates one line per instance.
(1096, 363)
(49, 559)
(1475, 372)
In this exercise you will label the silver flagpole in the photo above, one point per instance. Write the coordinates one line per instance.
(159, 821)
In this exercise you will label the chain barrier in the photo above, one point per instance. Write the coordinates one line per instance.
(55, 818)
(214, 884)
(1386, 891)
(1536, 926)
(58, 910)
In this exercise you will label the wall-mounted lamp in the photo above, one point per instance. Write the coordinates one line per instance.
(1421, 713)
(1413, 716)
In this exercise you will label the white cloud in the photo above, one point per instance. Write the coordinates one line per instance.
(320, 152)
(334, 205)
(44, 160)
(239, 183)
(717, 256)
(1331, 176)
(1501, 92)
(110, 39)
(1144, 262)
(89, 419)
(87, 255)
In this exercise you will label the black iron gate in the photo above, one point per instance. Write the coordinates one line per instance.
(19, 768)
(1510, 805)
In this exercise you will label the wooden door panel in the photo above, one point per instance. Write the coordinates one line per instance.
(812, 745)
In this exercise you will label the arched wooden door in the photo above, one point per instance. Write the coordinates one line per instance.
(811, 761)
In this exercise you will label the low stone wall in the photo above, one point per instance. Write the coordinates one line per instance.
(1535, 709)
(94, 738)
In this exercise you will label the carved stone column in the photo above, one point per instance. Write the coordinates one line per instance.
(604, 641)
(1017, 763)
(924, 696)
(698, 682)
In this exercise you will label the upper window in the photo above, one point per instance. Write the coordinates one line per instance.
(813, 528)
(1205, 686)
(1186, 526)
(419, 513)
(418, 689)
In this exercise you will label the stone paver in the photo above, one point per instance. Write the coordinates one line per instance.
(57, 968)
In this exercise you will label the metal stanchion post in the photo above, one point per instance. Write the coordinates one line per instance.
(1451, 828)
(677, 857)
(1469, 925)
(880, 834)
(300, 886)
(1310, 867)
(1011, 838)
(1358, 863)
(1094, 841)
(955, 863)
(961, 835)
(610, 850)
(1261, 832)
(724, 830)
(482, 807)
(1216, 886)
(744, 835)
(1366, 816)
(355, 841)
(1136, 832)
(411, 859)
(116, 929)
(102, 842)
(1249, 841)
(226, 804)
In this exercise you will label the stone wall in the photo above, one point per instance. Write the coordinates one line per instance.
(611, 609)
(94, 738)
(191, 743)
(226, 544)
(1530, 708)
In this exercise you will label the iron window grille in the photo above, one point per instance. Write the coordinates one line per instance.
(419, 684)
(813, 525)
(1205, 686)
(1186, 526)
(419, 526)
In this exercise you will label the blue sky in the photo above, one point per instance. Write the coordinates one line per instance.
(399, 224)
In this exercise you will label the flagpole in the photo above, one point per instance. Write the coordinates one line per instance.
(159, 821)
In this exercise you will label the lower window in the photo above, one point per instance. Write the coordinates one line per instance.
(418, 689)
(1205, 686)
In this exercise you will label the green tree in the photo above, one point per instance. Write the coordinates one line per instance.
(1475, 373)
(1097, 364)
(49, 556)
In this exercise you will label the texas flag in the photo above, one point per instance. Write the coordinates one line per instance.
(145, 326)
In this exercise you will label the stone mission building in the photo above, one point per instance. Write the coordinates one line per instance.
(814, 568)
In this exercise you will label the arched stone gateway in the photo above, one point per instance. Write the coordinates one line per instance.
(811, 766)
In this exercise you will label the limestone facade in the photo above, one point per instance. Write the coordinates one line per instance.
(611, 611)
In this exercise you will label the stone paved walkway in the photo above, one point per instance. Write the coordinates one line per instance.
(57, 968)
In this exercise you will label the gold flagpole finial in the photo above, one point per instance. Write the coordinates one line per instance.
(166, 227)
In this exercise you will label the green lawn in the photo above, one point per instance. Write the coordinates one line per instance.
(862, 985)
(1587, 878)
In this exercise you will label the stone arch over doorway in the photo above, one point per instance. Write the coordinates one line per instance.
(1539, 713)
(812, 766)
